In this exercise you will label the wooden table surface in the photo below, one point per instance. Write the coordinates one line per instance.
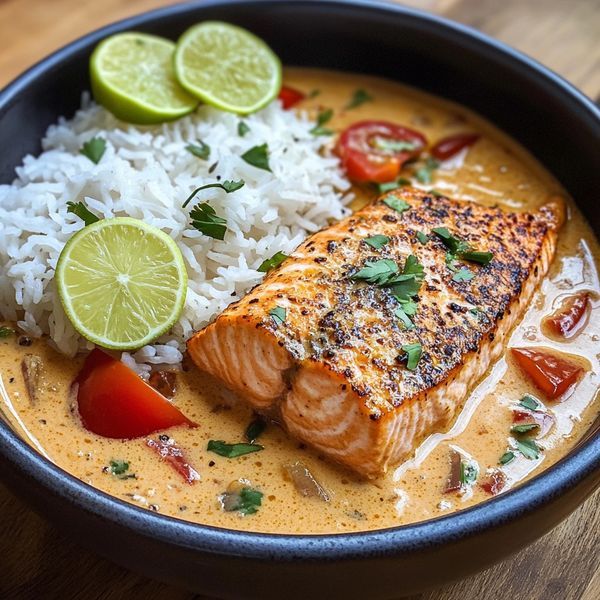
(38, 561)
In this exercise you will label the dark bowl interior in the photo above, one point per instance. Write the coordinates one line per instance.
(553, 120)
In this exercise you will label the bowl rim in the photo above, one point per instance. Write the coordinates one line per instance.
(577, 465)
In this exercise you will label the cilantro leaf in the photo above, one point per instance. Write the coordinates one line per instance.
(243, 128)
(119, 469)
(80, 209)
(529, 449)
(413, 355)
(227, 185)
(524, 427)
(530, 402)
(232, 450)
(271, 263)
(377, 272)
(469, 471)
(396, 203)
(278, 314)
(422, 237)
(506, 458)
(258, 156)
(94, 149)
(463, 275)
(404, 318)
(205, 220)
(253, 431)
(6, 332)
(322, 118)
(377, 241)
(388, 186)
(424, 173)
(201, 150)
(246, 501)
(359, 97)
(483, 258)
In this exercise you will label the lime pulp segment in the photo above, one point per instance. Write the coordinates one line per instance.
(122, 282)
(227, 67)
(132, 76)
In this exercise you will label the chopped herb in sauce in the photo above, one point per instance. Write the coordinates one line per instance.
(232, 450)
(227, 186)
(529, 402)
(243, 499)
(81, 210)
(413, 355)
(528, 448)
(313, 93)
(388, 186)
(322, 118)
(278, 314)
(422, 237)
(507, 457)
(205, 220)
(242, 128)
(424, 173)
(6, 332)
(94, 149)
(524, 427)
(201, 150)
(377, 241)
(469, 471)
(271, 263)
(396, 203)
(258, 156)
(359, 97)
(119, 469)
(463, 275)
(255, 429)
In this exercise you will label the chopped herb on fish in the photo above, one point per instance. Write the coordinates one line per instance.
(232, 450)
(483, 258)
(94, 149)
(359, 97)
(463, 275)
(205, 219)
(227, 186)
(396, 203)
(377, 272)
(377, 241)
(258, 156)
(422, 237)
(271, 263)
(201, 150)
(413, 354)
(80, 209)
(278, 314)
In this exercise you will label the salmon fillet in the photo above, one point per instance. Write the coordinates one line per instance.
(319, 349)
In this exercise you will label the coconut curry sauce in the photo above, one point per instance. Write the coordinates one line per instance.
(492, 171)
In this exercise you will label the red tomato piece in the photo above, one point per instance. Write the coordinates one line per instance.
(566, 321)
(449, 146)
(289, 96)
(115, 403)
(170, 452)
(554, 375)
(495, 483)
(374, 151)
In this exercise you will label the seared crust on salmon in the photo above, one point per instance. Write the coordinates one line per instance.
(321, 351)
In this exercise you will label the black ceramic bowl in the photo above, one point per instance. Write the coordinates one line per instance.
(552, 119)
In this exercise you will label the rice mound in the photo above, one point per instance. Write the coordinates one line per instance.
(147, 173)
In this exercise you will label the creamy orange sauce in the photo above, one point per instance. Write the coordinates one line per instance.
(494, 171)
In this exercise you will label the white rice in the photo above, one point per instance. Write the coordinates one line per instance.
(147, 173)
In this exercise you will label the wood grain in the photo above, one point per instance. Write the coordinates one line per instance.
(38, 561)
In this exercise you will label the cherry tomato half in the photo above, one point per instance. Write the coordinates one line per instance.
(449, 146)
(115, 403)
(554, 375)
(566, 321)
(289, 96)
(374, 151)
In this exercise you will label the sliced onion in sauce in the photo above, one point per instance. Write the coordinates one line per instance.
(305, 482)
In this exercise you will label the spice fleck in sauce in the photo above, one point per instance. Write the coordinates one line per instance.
(493, 171)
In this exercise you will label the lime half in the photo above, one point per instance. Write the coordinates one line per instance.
(132, 77)
(122, 282)
(227, 67)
